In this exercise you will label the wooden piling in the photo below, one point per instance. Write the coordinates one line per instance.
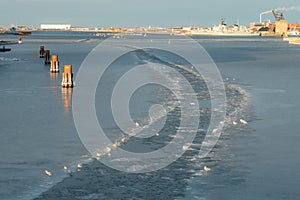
(34, 55)
(54, 64)
(42, 51)
(47, 57)
(67, 77)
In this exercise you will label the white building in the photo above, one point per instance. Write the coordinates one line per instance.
(55, 26)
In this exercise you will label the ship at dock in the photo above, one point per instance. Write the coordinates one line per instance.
(220, 30)
(15, 31)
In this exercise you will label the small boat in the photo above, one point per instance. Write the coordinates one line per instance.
(14, 31)
(24, 33)
(4, 49)
(293, 34)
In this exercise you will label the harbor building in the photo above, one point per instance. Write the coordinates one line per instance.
(281, 27)
(55, 26)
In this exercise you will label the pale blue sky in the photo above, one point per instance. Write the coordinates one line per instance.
(133, 13)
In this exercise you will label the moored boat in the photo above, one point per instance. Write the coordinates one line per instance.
(4, 49)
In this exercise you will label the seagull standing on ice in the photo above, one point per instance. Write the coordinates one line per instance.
(48, 173)
(137, 124)
(185, 147)
(116, 144)
(108, 150)
(79, 167)
(98, 155)
(244, 122)
(123, 140)
(207, 169)
(67, 170)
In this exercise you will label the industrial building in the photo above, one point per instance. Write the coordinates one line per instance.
(278, 28)
(55, 26)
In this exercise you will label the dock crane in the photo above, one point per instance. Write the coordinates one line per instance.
(264, 13)
(278, 15)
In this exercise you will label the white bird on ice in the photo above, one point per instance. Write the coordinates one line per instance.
(79, 167)
(207, 169)
(215, 130)
(123, 140)
(108, 150)
(48, 173)
(185, 147)
(243, 121)
(98, 156)
(116, 144)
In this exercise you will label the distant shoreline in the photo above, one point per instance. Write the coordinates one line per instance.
(145, 31)
(158, 32)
